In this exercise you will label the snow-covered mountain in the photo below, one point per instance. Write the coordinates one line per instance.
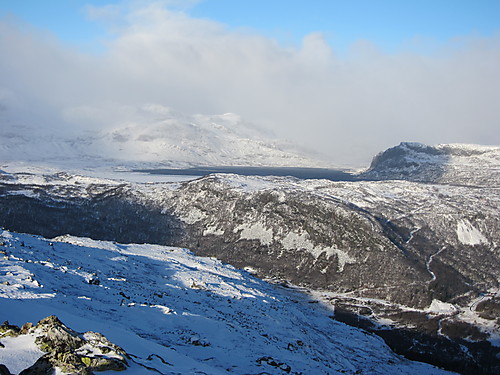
(173, 313)
(158, 136)
(415, 262)
(458, 164)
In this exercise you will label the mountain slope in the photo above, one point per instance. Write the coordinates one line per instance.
(157, 136)
(176, 313)
(415, 262)
(457, 164)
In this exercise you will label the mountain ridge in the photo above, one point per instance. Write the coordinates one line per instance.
(415, 262)
(445, 163)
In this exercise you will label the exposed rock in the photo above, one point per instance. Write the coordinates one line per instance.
(489, 309)
(42, 366)
(72, 352)
(25, 328)
(56, 337)
(7, 329)
(4, 370)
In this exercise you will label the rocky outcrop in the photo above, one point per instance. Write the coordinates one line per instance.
(70, 351)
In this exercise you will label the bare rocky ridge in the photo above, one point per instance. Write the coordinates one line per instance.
(420, 250)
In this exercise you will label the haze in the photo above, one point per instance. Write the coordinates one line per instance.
(347, 103)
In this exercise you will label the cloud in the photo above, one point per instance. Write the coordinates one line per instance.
(348, 108)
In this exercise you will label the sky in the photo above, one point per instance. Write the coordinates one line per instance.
(346, 79)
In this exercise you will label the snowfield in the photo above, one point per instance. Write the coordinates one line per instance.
(175, 313)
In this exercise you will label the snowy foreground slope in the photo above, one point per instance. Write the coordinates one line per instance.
(175, 313)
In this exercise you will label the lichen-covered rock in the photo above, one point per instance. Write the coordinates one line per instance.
(72, 352)
(7, 329)
(56, 337)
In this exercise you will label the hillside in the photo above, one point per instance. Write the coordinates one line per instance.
(175, 313)
(457, 164)
(415, 262)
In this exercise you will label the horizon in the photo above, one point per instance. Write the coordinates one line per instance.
(346, 80)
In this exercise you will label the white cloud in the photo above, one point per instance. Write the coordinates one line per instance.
(348, 108)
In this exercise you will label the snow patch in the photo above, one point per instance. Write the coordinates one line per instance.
(470, 235)
(293, 241)
(255, 231)
(214, 230)
(19, 352)
(440, 307)
(193, 216)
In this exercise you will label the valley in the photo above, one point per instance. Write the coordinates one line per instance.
(411, 260)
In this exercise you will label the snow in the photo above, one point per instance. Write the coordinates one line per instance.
(440, 307)
(470, 235)
(178, 313)
(302, 241)
(163, 138)
(19, 352)
(256, 231)
(213, 230)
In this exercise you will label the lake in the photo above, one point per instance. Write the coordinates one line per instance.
(302, 173)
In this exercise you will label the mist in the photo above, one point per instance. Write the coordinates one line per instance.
(346, 108)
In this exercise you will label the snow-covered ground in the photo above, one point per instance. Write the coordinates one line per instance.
(178, 313)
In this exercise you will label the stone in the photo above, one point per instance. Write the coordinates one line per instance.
(7, 329)
(41, 367)
(25, 328)
(68, 350)
(4, 370)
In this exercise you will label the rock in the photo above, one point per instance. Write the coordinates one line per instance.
(104, 364)
(4, 370)
(7, 329)
(56, 336)
(25, 328)
(41, 367)
(72, 352)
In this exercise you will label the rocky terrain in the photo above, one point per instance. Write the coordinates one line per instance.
(410, 251)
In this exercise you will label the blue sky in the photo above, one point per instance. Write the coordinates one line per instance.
(391, 25)
(344, 78)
